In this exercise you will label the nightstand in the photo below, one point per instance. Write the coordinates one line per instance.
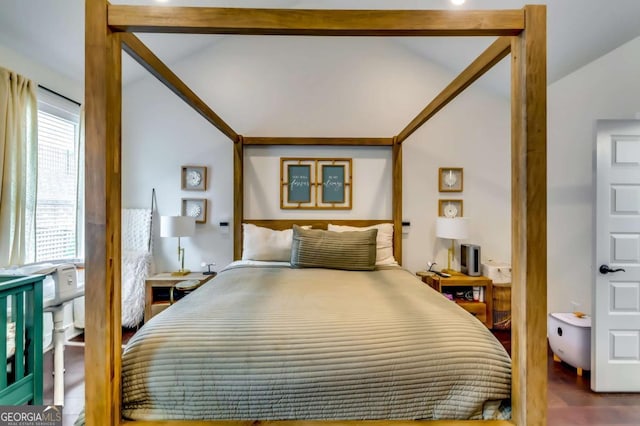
(464, 283)
(160, 292)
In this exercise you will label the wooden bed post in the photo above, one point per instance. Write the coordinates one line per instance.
(396, 199)
(238, 196)
(103, 207)
(529, 220)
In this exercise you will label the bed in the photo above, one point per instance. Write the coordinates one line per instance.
(265, 340)
(521, 33)
(272, 342)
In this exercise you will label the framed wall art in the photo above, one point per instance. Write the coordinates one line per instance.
(297, 183)
(450, 179)
(194, 178)
(315, 183)
(335, 183)
(195, 207)
(450, 208)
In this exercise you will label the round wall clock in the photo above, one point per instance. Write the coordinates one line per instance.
(450, 179)
(450, 210)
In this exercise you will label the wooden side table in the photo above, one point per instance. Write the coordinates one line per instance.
(481, 310)
(159, 290)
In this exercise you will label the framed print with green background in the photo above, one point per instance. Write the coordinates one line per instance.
(297, 183)
(332, 184)
(299, 188)
(335, 186)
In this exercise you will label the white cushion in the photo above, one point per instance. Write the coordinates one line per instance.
(259, 243)
(384, 240)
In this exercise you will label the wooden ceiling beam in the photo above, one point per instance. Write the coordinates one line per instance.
(145, 57)
(210, 20)
(319, 141)
(494, 54)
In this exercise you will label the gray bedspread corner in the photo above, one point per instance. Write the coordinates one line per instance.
(281, 343)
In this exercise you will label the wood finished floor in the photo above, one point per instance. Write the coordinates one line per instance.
(570, 400)
(73, 382)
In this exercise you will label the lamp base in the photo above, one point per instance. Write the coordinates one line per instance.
(450, 271)
(180, 273)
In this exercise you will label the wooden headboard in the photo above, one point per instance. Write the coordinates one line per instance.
(279, 224)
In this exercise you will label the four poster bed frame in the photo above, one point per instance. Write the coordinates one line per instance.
(521, 33)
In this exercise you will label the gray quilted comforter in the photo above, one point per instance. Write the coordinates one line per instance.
(280, 343)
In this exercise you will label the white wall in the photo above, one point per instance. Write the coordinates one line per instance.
(160, 134)
(41, 74)
(607, 88)
(285, 86)
(371, 165)
(473, 133)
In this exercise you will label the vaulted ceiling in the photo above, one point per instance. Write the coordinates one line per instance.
(579, 31)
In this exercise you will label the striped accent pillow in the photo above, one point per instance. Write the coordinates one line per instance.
(316, 248)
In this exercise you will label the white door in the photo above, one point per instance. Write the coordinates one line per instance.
(616, 323)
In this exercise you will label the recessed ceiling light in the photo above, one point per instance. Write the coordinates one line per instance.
(457, 2)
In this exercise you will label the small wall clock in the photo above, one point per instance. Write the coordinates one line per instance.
(194, 178)
(196, 208)
(450, 179)
(450, 208)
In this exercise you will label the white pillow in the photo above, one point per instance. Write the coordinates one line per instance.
(384, 240)
(259, 243)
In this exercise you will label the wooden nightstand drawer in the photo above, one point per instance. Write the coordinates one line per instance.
(156, 308)
(477, 309)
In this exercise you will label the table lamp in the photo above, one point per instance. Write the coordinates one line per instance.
(178, 226)
(453, 228)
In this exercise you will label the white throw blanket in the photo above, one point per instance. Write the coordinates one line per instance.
(135, 270)
(137, 263)
(136, 225)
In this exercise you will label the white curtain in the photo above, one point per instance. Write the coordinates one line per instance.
(18, 168)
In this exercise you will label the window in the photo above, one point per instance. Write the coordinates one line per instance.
(57, 201)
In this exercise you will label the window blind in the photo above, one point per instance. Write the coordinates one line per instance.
(56, 204)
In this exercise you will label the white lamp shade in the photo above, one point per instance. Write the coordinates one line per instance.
(454, 228)
(177, 226)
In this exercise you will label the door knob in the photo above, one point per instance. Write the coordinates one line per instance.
(604, 269)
